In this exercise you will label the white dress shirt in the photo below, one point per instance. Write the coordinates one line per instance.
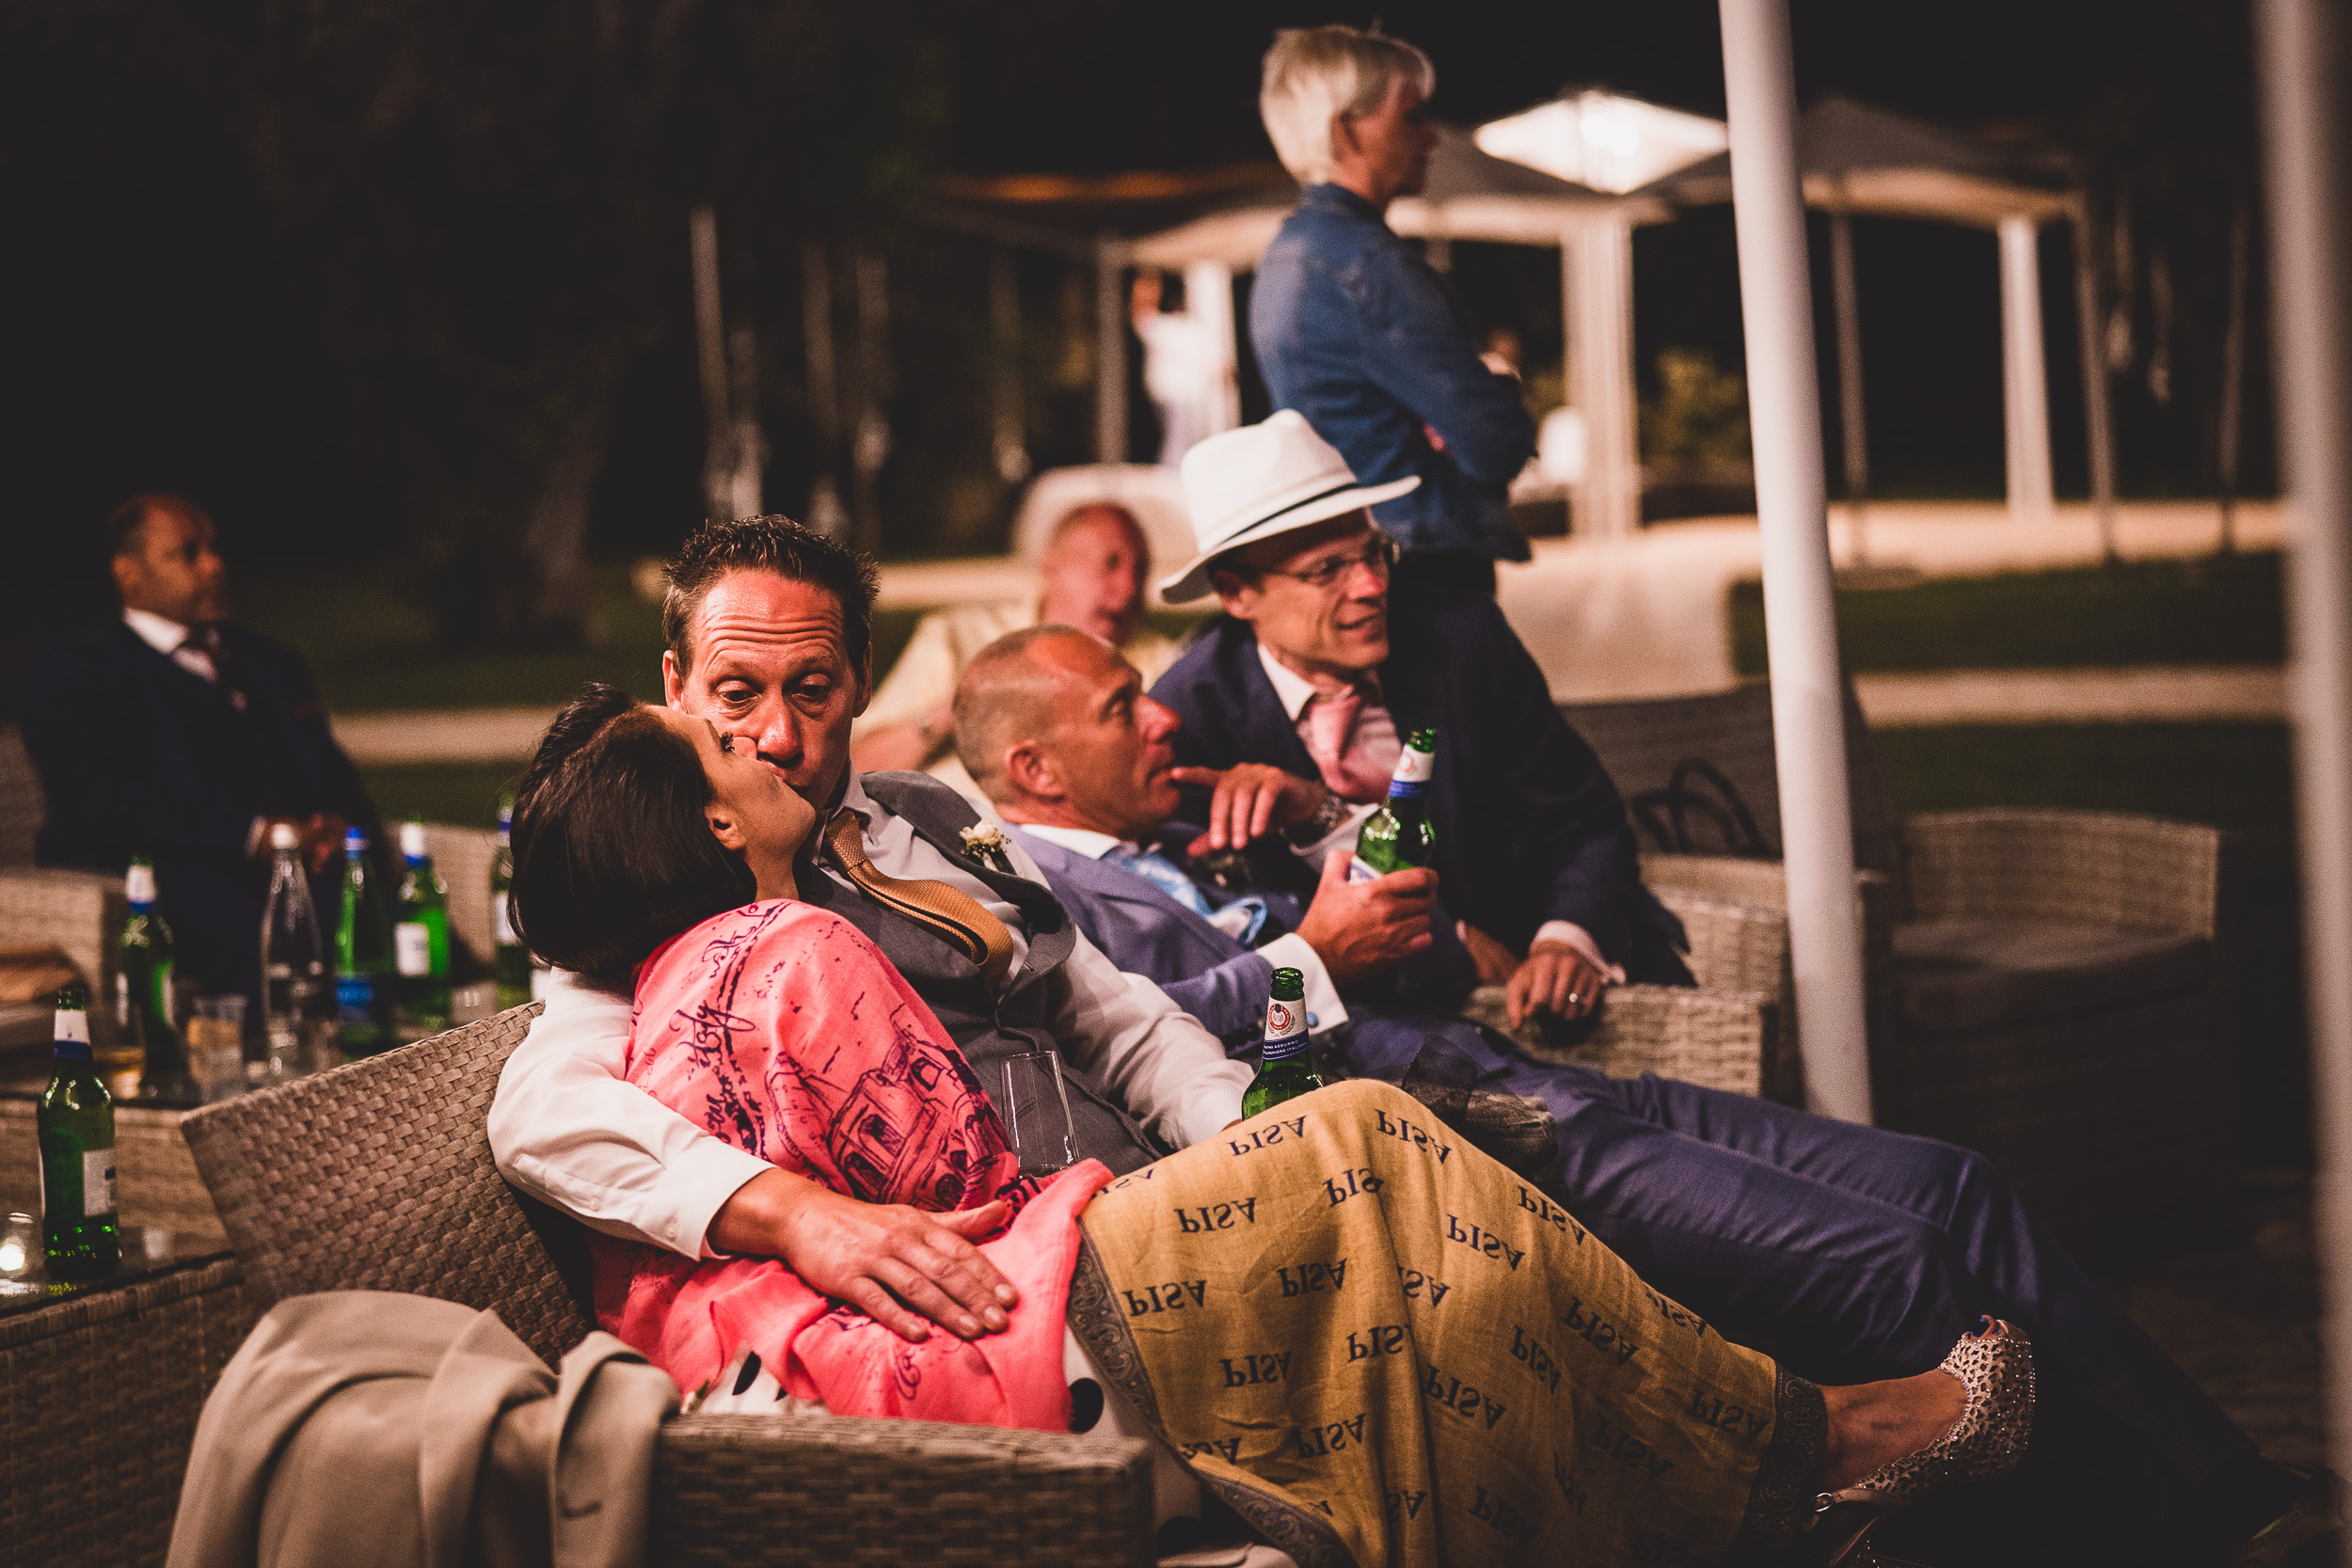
(1325, 1010)
(567, 1128)
(1295, 691)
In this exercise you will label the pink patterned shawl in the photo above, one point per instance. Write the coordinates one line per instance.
(782, 1030)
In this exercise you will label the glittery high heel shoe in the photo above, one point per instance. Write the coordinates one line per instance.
(1995, 1367)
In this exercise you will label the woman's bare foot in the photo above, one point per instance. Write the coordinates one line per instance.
(1874, 1424)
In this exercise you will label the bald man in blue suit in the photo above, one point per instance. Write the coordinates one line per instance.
(1847, 1250)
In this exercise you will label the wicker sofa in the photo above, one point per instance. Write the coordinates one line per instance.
(377, 1177)
(2055, 988)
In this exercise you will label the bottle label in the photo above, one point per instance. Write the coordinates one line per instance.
(355, 999)
(505, 927)
(1285, 1029)
(412, 841)
(98, 1182)
(73, 1028)
(1411, 777)
(412, 947)
(138, 887)
(1358, 871)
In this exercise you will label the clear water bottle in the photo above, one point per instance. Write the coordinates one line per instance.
(293, 961)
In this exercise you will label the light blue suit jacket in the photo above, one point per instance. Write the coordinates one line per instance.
(1207, 972)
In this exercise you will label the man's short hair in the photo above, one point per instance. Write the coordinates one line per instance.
(126, 524)
(1315, 74)
(1005, 697)
(774, 543)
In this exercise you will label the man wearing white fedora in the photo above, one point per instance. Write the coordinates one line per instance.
(1295, 704)
(1850, 1250)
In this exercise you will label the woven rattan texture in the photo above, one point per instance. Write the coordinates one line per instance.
(777, 1489)
(156, 1182)
(1641, 743)
(377, 1177)
(78, 912)
(2117, 1118)
(1717, 1039)
(2103, 868)
(100, 1396)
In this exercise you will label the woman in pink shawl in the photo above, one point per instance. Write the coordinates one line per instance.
(651, 855)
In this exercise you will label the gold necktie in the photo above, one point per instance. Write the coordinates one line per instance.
(943, 910)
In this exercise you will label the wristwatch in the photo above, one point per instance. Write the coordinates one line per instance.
(1327, 816)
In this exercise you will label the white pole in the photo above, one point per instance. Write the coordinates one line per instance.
(2097, 418)
(2026, 398)
(1110, 350)
(1601, 296)
(1847, 300)
(2298, 48)
(710, 359)
(1800, 618)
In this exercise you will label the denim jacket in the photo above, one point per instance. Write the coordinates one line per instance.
(1353, 330)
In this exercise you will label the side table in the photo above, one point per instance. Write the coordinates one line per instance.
(100, 1385)
(155, 1179)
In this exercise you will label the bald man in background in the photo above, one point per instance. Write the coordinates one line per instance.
(1093, 572)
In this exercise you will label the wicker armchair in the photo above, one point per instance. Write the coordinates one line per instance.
(2054, 988)
(77, 912)
(377, 1177)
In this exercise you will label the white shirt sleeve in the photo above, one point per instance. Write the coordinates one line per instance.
(1325, 1010)
(1144, 1051)
(568, 1128)
(1586, 948)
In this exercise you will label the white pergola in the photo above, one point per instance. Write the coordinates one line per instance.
(1472, 195)
(1852, 158)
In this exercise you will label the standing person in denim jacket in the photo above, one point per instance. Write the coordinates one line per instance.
(1354, 330)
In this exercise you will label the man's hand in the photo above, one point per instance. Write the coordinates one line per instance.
(1556, 978)
(1360, 928)
(1247, 802)
(897, 1265)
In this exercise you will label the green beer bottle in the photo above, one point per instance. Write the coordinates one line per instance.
(145, 1018)
(363, 956)
(1398, 836)
(76, 1122)
(419, 941)
(1283, 1072)
(514, 959)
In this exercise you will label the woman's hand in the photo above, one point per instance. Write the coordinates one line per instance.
(902, 1267)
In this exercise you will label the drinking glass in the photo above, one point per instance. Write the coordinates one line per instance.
(217, 1046)
(19, 1255)
(1037, 1113)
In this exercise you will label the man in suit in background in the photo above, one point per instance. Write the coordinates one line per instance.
(173, 733)
(1298, 702)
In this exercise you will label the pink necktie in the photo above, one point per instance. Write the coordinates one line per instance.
(1330, 727)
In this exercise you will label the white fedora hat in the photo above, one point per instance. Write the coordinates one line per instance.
(1251, 484)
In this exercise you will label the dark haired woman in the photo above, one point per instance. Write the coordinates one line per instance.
(1373, 1342)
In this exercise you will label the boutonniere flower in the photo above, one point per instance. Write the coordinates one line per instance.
(985, 842)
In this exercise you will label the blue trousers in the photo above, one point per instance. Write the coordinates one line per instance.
(1851, 1255)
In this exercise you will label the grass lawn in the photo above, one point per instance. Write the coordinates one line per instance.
(371, 647)
(2213, 612)
(2234, 776)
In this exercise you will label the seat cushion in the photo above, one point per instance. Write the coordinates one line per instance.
(1956, 977)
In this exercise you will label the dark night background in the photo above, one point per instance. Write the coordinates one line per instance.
(375, 280)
